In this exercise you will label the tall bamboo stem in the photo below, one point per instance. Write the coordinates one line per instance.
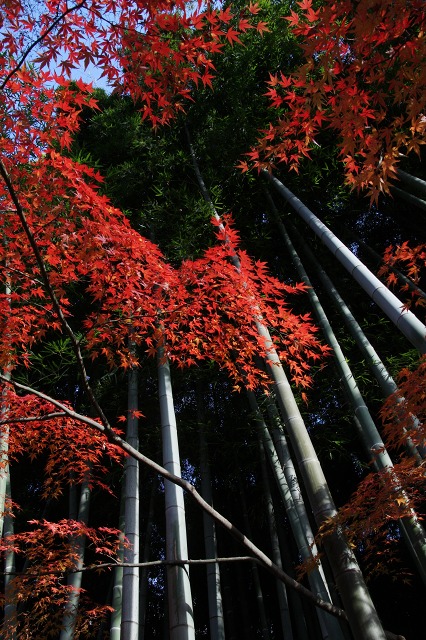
(181, 618)
(406, 321)
(130, 596)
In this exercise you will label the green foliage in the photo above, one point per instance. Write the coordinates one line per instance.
(52, 363)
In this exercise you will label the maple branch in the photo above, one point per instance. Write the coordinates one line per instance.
(64, 409)
(202, 185)
(46, 416)
(115, 25)
(51, 293)
(263, 559)
(23, 274)
(151, 563)
(38, 40)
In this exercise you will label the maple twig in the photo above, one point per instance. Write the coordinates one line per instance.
(51, 293)
(113, 565)
(202, 185)
(23, 274)
(46, 416)
(38, 40)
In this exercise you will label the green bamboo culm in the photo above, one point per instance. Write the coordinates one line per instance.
(181, 618)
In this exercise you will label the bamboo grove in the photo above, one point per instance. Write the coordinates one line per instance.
(212, 339)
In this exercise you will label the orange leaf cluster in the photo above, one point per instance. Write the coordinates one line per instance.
(404, 413)
(412, 262)
(155, 51)
(49, 551)
(383, 498)
(364, 77)
(70, 452)
(205, 308)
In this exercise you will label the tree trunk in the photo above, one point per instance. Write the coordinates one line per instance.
(414, 183)
(74, 579)
(406, 321)
(409, 197)
(363, 619)
(117, 588)
(217, 628)
(330, 628)
(143, 581)
(4, 433)
(4, 462)
(283, 452)
(283, 605)
(181, 618)
(263, 623)
(230, 607)
(130, 595)
(296, 603)
(10, 612)
(382, 375)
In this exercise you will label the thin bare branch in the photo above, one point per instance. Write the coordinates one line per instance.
(45, 416)
(38, 40)
(151, 563)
